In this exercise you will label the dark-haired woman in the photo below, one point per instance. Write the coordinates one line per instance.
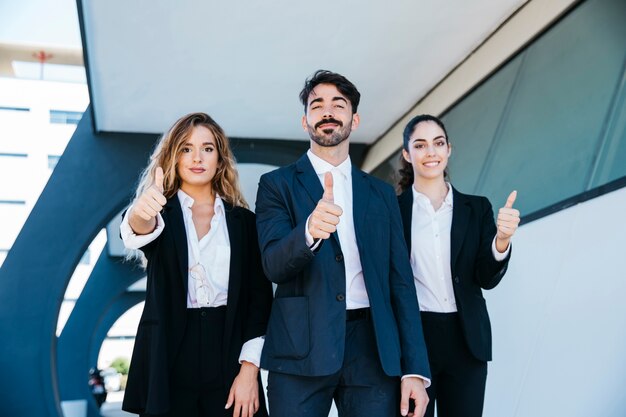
(456, 250)
(200, 336)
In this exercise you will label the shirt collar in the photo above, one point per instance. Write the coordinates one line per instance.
(419, 198)
(321, 167)
(187, 202)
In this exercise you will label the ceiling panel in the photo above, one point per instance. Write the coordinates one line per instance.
(244, 63)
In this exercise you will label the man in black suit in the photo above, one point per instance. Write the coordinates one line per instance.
(345, 321)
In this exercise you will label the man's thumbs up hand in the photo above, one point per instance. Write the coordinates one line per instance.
(325, 218)
(507, 222)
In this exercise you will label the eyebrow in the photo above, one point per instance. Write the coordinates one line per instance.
(203, 144)
(424, 140)
(336, 98)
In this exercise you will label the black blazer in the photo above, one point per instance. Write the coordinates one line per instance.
(306, 332)
(472, 263)
(162, 323)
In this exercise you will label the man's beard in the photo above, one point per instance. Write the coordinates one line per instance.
(330, 137)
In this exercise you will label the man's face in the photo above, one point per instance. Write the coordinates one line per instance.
(329, 119)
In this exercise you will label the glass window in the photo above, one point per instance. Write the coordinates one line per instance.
(3, 255)
(13, 155)
(65, 117)
(52, 161)
(551, 123)
(20, 109)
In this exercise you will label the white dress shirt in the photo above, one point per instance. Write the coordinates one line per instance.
(356, 294)
(430, 253)
(208, 260)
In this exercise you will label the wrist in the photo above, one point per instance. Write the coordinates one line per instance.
(249, 368)
(502, 244)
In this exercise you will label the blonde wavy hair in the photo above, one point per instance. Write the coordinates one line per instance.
(168, 149)
(165, 155)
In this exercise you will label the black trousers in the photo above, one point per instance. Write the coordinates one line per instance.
(360, 388)
(458, 378)
(197, 386)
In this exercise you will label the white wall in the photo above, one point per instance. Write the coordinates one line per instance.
(559, 317)
(31, 134)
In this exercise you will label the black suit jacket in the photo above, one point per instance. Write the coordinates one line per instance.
(471, 261)
(306, 332)
(162, 323)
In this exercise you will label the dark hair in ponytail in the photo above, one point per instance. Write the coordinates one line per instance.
(405, 173)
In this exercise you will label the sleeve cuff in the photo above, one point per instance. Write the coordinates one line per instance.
(426, 380)
(313, 244)
(134, 241)
(251, 351)
(497, 255)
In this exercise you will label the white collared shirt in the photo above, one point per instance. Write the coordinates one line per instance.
(430, 253)
(211, 252)
(356, 293)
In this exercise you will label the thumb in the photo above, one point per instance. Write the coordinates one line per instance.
(328, 187)
(158, 179)
(231, 399)
(511, 199)
(404, 403)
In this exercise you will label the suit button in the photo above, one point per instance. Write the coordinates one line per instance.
(341, 297)
(457, 280)
(339, 258)
(203, 313)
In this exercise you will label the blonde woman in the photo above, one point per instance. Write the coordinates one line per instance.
(200, 336)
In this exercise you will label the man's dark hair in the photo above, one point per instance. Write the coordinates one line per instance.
(344, 86)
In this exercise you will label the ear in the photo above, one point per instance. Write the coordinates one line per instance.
(406, 155)
(356, 119)
(449, 149)
(304, 126)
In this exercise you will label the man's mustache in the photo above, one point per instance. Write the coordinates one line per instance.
(335, 121)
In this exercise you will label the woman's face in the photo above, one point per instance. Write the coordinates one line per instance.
(198, 158)
(428, 151)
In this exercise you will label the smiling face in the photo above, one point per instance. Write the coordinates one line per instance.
(198, 159)
(428, 151)
(329, 118)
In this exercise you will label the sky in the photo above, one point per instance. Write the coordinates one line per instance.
(40, 22)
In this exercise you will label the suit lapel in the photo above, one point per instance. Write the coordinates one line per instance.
(308, 178)
(460, 217)
(175, 217)
(406, 211)
(237, 240)
(360, 197)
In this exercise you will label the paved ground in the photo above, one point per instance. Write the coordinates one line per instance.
(113, 406)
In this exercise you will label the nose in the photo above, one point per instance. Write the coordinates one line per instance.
(328, 112)
(197, 155)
